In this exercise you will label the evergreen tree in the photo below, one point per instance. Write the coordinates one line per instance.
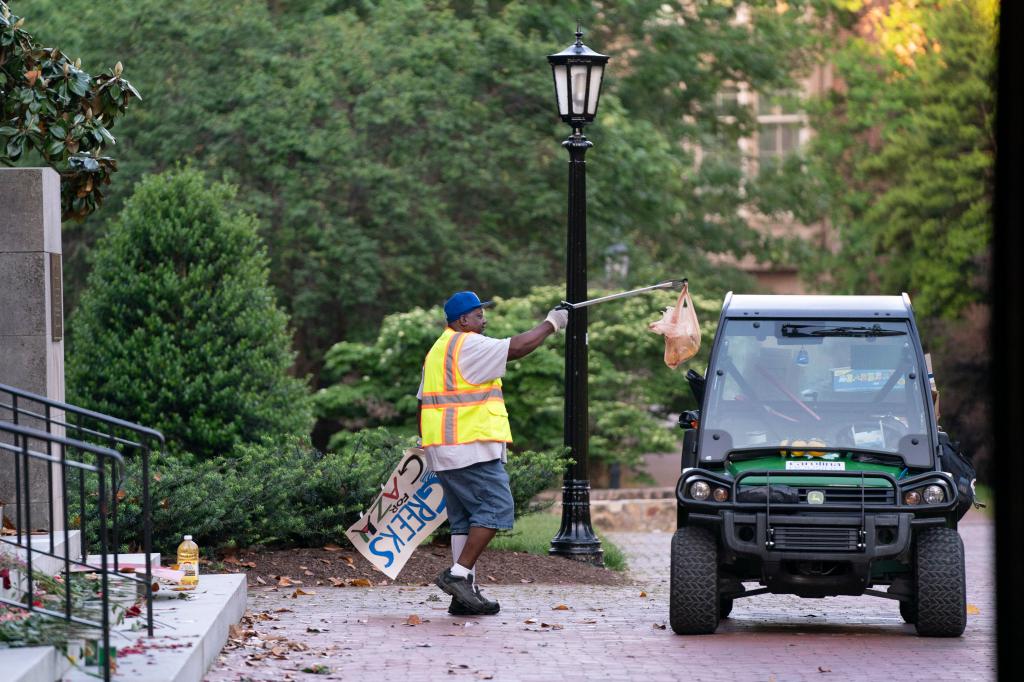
(178, 328)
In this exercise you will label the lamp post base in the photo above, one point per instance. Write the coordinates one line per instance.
(576, 539)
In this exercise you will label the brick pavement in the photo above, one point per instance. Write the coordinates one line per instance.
(613, 633)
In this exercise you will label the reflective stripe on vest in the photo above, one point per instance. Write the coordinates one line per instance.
(454, 411)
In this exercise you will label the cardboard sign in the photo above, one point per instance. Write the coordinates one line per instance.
(409, 508)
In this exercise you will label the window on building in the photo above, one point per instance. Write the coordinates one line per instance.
(775, 141)
(780, 120)
(727, 99)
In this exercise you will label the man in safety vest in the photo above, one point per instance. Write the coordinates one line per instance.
(465, 432)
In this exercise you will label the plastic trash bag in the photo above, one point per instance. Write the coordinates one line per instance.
(681, 330)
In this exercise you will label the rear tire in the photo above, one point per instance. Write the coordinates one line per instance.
(694, 603)
(941, 583)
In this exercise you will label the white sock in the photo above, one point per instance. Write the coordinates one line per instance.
(458, 542)
(460, 571)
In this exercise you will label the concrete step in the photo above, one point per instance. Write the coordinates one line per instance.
(188, 635)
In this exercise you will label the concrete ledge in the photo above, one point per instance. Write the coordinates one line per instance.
(656, 493)
(188, 635)
(630, 515)
(29, 664)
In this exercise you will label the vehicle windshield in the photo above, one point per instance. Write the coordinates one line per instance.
(825, 384)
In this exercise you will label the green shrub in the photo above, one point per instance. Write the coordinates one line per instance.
(285, 493)
(178, 328)
(632, 392)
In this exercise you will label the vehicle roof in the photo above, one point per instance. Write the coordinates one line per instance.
(812, 306)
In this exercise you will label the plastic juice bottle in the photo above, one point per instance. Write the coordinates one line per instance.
(188, 561)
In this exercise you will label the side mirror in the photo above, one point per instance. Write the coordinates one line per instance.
(689, 419)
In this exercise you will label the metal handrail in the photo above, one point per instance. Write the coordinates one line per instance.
(118, 440)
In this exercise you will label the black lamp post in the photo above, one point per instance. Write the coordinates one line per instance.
(578, 72)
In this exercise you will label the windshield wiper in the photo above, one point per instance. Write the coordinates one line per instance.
(806, 330)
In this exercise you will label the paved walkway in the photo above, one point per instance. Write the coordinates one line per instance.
(585, 633)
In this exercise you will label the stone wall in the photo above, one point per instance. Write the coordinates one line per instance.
(31, 311)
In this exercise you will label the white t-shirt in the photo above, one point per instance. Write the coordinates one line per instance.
(481, 359)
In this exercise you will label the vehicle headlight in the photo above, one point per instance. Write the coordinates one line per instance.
(700, 490)
(721, 494)
(934, 494)
(912, 497)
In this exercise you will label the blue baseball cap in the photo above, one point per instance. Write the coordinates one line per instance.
(461, 303)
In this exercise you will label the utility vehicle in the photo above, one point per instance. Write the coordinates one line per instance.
(813, 466)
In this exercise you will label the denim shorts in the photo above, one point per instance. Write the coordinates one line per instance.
(478, 495)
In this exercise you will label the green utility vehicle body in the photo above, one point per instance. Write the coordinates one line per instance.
(813, 466)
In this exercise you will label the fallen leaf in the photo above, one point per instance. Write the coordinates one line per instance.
(560, 607)
(493, 580)
(308, 573)
(973, 610)
(301, 592)
(282, 610)
(360, 582)
(337, 582)
(526, 581)
(260, 580)
(530, 621)
(318, 669)
(643, 594)
(331, 547)
(823, 669)
(658, 626)
(413, 620)
(285, 581)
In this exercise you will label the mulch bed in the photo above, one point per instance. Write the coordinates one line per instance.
(343, 567)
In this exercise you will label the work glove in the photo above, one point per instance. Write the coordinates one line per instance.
(558, 318)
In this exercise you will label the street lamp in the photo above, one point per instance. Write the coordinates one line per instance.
(578, 72)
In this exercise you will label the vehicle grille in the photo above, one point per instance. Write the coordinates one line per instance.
(815, 538)
(851, 495)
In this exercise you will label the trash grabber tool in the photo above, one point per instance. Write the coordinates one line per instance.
(670, 284)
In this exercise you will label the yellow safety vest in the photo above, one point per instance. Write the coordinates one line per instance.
(454, 411)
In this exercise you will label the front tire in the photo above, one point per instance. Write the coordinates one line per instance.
(908, 610)
(941, 583)
(693, 604)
